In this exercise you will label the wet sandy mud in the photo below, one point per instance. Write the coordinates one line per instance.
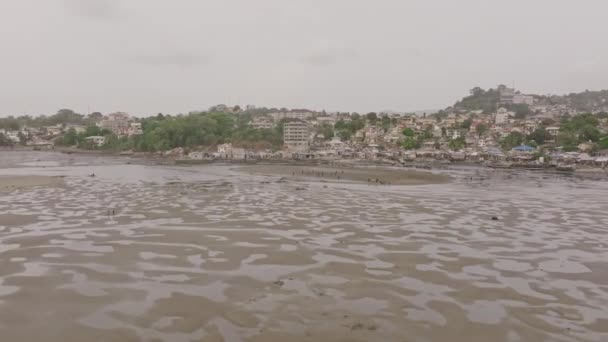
(211, 253)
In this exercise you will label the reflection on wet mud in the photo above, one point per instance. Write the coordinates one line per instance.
(189, 254)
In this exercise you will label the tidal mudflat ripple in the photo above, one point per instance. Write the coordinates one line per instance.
(211, 253)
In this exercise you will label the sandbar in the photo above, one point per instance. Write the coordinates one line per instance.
(374, 175)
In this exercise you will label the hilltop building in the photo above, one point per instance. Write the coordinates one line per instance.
(523, 99)
(506, 95)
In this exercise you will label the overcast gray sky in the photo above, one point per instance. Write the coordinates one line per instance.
(150, 56)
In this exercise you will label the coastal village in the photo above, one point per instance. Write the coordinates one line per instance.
(499, 127)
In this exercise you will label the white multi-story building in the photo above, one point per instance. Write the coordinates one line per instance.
(291, 115)
(502, 116)
(296, 136)
(135, 128)
(117, 123)
(328, 120)
(523, 99)
(262, 123)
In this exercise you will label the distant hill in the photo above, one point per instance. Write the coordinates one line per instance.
(587, 101)
(489, 100)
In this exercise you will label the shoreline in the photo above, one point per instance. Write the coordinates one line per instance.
(146, 158)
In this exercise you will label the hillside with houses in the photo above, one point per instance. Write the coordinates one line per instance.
(488, 125)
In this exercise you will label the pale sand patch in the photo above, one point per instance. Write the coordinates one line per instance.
(10, 183)
(374, 175)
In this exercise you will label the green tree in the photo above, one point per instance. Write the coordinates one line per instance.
(408, 132)
(514, 139)
(522, 110)
(95, 117)
(70, 138)
(386, 122)
(327, 131)
(603, 143)
(589, 133)
(10, 123)
(466, 124)
(568, 140)
(92, 130)
(481, 130)
(480, 100)
(344, 134)
(410, 143)
(372, 117)
(539, 136)
(457, 144)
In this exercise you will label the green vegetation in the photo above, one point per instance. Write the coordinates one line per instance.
(345, 130)
(583, 125)
(372, 117)
(539, 136)
(71, 138)
(480, 99)
(466, 124)
(579, 129)
(410, 143)
(522, 110)
(514, 139)
(62, 117)
(457, 144)
(568, 140)
(440, 115)
(202, 129)
(387, 122)
(327, 130)
(198, 129)
(481, 130)
(408, 132)
(587, 101)
(603, 144)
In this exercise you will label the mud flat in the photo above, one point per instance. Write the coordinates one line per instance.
(204, 253)
(10, 183)
(373, 175)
